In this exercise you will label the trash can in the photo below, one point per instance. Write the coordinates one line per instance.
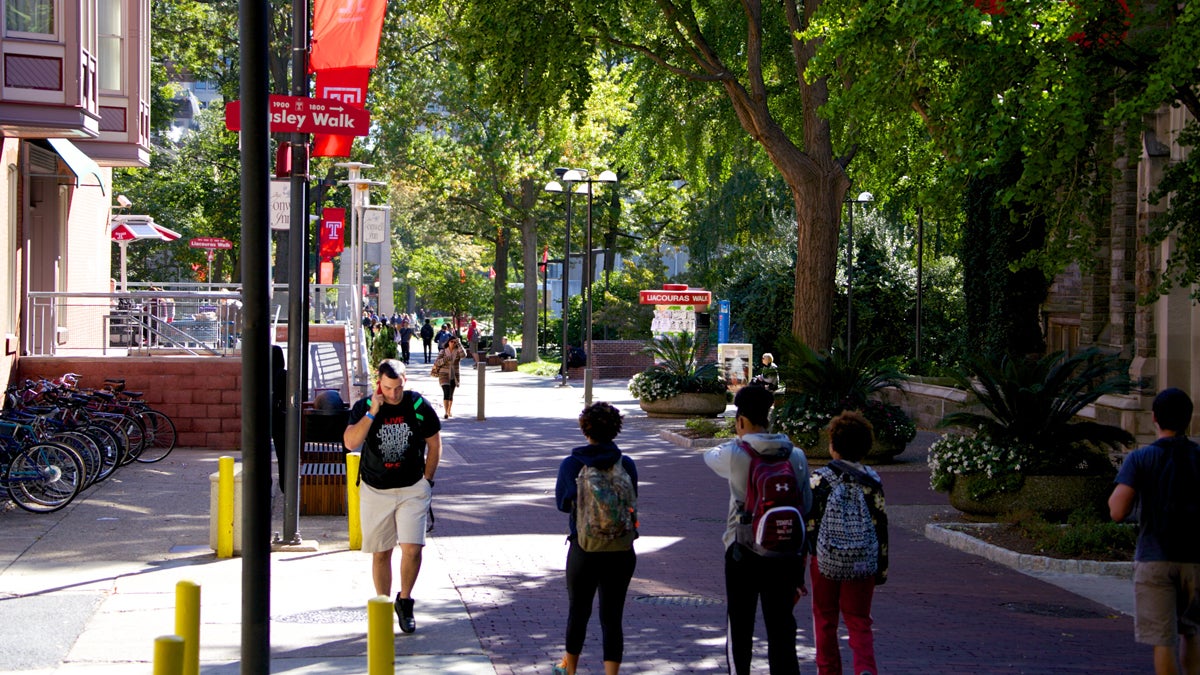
(323, 456)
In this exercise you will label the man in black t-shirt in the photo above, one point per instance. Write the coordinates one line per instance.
(400, 437)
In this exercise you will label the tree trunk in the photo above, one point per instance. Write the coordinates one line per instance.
(818, 202)
(529, 259)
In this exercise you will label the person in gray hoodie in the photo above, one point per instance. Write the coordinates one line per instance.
(750, 578)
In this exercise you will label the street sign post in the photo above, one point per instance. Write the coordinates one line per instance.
(212, 244)
(304, 115)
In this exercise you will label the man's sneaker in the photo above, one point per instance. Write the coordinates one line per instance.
(404, 612)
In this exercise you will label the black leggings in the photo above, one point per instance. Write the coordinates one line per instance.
(448, 391)
(610, 574)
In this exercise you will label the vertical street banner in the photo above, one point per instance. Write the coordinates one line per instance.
(348, 85)
(345, 34)
(333, 227)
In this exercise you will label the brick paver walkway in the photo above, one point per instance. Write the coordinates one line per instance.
(942, 611)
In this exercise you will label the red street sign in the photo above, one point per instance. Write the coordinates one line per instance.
(303, 115)
(675, 297)
(122, 233)
(210, 242)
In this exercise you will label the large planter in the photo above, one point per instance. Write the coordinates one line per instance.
(881, 452)
(1050, 496)
(685, 405)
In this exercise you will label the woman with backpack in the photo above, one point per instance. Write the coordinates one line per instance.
(848, 537)
(600, 558)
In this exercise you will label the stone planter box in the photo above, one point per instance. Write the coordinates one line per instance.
(685, 405)
(1050, 496)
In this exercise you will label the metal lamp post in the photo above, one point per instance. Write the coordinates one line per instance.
(604, 177)
(863, 197)
(568, 176)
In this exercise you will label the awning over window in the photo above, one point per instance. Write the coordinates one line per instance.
(84, 167)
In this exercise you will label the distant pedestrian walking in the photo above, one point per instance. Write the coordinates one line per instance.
(597, 485)
(427, 340)
(1163, 478)
(753, 574)
(446, 370)
(848, 537)
(404, 337)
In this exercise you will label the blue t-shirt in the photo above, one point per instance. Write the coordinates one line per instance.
(1166, 477)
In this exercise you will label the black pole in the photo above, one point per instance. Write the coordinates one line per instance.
(587, 289)
(545, 302)
(920, 266)
(565, 278)
(849, 276)
(297, 295)
(256, 364)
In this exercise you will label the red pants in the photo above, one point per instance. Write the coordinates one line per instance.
(853, 600)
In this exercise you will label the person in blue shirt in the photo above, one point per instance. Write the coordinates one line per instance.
(1163, 480)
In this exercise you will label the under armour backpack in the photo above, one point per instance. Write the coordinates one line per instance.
(847, 544)
(771, 522)
(605, 509)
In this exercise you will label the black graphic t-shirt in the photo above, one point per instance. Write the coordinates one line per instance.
(394, 453)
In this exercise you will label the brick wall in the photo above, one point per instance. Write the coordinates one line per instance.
(615, 359)
(202, 395)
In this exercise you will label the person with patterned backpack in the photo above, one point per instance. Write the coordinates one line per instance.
(597, 485)
(769, 496)
(848, 537)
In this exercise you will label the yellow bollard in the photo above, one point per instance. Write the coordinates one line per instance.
(381, 637)
(187, 624)
(168, 655)
(353, 521)
(225, 507)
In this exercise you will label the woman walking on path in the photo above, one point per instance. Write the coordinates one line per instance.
(445, 368)
(607, 571)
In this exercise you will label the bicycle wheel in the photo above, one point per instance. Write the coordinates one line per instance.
(111, 452)
(88, 450)
(133, 428)
(159, 439)
(45, 477)
(111, 425)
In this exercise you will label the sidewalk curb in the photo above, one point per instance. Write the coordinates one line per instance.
(954, 537)
(685, 442)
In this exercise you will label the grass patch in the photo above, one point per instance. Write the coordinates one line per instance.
(545, 368)
(1085, 535)
(709, 427)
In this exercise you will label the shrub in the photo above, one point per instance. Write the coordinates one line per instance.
(676, 371)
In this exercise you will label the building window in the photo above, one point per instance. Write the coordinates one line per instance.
(30, 17)
(111, 33)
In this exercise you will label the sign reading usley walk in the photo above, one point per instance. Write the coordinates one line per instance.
(300, 114)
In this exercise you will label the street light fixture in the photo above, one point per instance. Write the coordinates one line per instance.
(863, 197)
(586, 187)
(568, 176)
(583, 182)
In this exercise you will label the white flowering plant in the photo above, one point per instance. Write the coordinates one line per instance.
(1027, 419)
(677, 371)
(999, 464)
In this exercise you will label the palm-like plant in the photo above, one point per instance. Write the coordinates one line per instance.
(677, 370)
(819, 385)
(838, 378)
(1033, 403)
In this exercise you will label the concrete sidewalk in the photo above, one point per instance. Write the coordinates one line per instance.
(87, 589)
